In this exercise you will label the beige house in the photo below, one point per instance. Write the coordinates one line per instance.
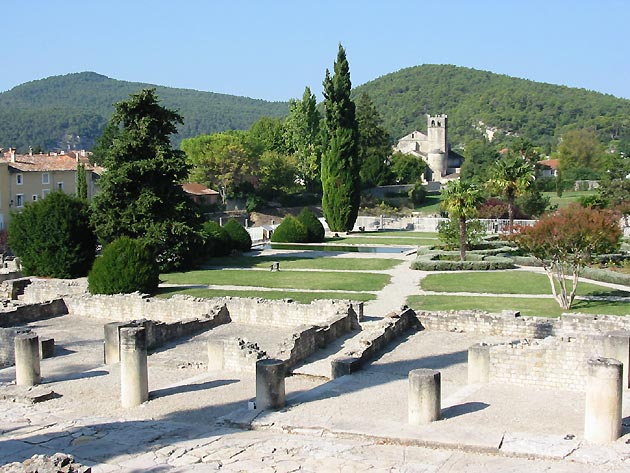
(30, 177)
(201, 194)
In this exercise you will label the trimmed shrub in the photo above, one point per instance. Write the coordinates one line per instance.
(314, 228)
(217, 240)
(604, 275)
(291, 230)
(240, 237)
(125, 266)
(447, 261)
(53, 237)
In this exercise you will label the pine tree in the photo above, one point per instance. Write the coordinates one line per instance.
(340, 167)
(374, 146)
(141, 195)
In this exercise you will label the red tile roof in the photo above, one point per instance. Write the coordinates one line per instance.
(198, 189)
(44, 162)
(550, 163)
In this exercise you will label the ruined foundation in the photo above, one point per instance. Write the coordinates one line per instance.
(479, 363)
(270, 392)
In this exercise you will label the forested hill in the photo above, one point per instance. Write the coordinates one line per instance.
(533, 110)
(72, 110)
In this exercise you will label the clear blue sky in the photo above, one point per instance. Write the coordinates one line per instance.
(272, 49)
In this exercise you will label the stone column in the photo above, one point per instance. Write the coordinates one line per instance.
(134, 382)
(112, 342)
(602, 416)
(270, 375)
(617, 346)
(479, 363)
(425, 391)
(216, 355)
(27, 368)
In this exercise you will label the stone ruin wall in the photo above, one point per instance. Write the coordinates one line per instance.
(543, 352)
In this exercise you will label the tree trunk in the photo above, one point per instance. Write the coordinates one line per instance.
(510, 214)
(462, 238)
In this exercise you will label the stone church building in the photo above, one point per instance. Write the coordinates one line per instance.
(433, 148)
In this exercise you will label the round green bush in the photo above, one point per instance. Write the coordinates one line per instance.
(314, 228)
(291, 230)
(53, 237)
(217, 240)
(125, 266)
(240, 237)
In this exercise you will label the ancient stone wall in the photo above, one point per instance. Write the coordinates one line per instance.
(7, 348)
(17, 314)
(39, 290)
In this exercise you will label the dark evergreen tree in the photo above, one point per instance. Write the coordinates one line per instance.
(340, 166)
(141, 195)
(314, 228)
(53, 237)
(241, 240)
(374, 145)
(81, 182)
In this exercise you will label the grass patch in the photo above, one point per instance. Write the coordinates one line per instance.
(282, 279)
(568, 197)
(431, 205)
(530, 307)
(288, 262)
(506, 282)
(301, 297)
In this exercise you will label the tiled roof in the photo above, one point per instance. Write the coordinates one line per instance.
(42, 162)
(550, 163)
(198, 189)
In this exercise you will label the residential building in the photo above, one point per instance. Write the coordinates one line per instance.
(201, 194)
(549, 167)
(29, 177)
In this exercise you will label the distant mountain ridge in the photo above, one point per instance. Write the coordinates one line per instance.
(70, 111)
(534, 110)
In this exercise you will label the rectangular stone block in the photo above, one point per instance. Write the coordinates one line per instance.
(46, 347)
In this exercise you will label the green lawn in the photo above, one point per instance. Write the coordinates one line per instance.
(504, 282)
(532, 307)
(568, 197)
(325, 281)
(301, 297)
(288, 262)
(432, 204)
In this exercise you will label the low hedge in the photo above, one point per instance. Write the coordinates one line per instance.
(475, 262)
(605, 275)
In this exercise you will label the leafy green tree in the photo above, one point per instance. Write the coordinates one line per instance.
(240, 238)
(461, 200)
(580, 150)
(125, 266)
(565, 241)
(276, 173)
(448, 233)
(141, 195)
(53, 237)
(267, 134)
(479, 156)
(615, 185)
(216, 238)
(407, 168)
(302, 135)
(511, 177)
(221, 160)
(340, 166)
(374, 145)
(81, 182)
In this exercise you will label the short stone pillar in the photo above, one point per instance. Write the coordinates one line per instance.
(602, 416)
(27, 368)
(479, 363)
(617, 346)
(134, 381)
(425, 396)
(216, 355)
(111, 336)
(270, 375)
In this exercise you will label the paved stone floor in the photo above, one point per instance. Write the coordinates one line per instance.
(198, 420)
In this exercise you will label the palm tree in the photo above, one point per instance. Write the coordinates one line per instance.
(511, 177)
(461, 199)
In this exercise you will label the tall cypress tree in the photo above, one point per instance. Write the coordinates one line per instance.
(340, 166)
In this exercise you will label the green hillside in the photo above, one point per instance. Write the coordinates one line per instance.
(72, 110)
(533, 110)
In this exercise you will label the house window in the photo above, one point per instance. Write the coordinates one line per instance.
(34, 197)
(45, 192)
(60, 186)
(19, 200)
(19, 179)
(45, 178)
